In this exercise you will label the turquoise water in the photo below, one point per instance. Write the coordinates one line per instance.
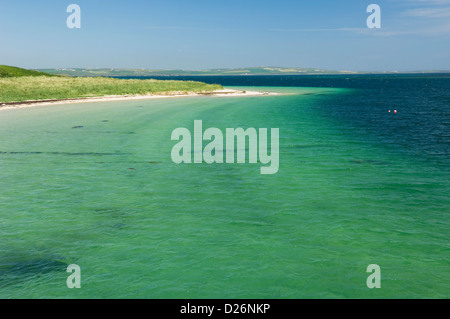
(106, 196)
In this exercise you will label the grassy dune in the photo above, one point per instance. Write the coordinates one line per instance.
(43, 87)
(12, 71)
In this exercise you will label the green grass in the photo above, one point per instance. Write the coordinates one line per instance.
(26, 88)
(12, 71)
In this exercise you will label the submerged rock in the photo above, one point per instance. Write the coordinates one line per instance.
(16, 270)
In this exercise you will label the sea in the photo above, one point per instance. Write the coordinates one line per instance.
(363, 179)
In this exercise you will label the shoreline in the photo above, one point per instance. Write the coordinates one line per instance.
(111, 98)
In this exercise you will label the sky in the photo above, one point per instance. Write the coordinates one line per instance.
(206, 34)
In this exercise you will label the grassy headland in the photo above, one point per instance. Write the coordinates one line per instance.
(41, 86)
(7, 71)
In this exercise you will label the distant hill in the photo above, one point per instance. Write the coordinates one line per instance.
(149, 72)
(9, 71)
(12, 71)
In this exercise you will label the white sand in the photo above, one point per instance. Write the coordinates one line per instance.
(219, 93)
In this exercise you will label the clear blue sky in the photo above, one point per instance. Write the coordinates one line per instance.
(201, 34)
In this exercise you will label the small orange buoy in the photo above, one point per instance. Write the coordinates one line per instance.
(395, 111)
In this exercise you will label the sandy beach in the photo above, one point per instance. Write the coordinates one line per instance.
(109, 98)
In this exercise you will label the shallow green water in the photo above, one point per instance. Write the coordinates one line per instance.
(106, 196)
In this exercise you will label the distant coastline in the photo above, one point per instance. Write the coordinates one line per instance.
(116, 72)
